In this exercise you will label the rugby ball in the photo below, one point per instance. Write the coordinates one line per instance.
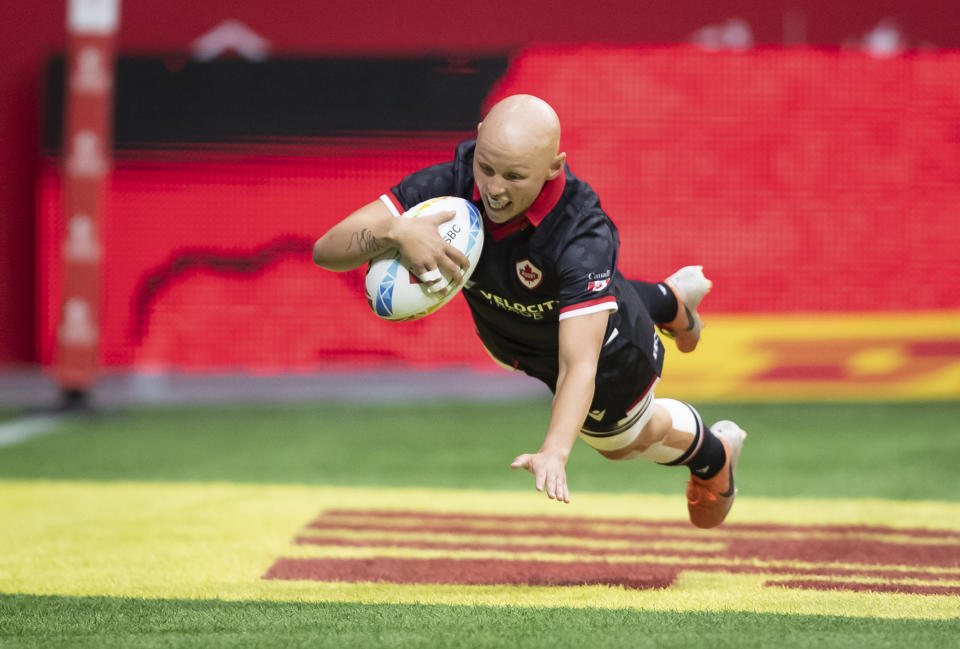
(393, 293)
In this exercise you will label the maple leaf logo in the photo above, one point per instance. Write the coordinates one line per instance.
(529, 275)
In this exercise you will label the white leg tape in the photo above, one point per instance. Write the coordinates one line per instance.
(682, 415)
(683, 419)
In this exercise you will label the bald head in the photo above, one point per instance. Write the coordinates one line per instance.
(518, 150)
(522, 123)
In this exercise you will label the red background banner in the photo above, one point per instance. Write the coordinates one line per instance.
(35, 30)
(803, 181)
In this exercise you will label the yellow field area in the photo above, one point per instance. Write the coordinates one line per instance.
(852, 356)
(211, 540)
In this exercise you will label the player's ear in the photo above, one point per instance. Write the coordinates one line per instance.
(556, 167)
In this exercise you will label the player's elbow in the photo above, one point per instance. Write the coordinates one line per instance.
(323, 258)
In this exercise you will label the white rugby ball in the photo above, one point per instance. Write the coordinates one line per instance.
(394, 294)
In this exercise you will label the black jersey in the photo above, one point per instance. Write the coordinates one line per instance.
(558, 260)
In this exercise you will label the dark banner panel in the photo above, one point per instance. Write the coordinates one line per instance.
(176, 100)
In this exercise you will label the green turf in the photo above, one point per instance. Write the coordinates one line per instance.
(890, 450)
(9, 413)
(96, 622)
(823, 450)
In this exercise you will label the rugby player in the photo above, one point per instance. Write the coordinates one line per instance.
(547, 300)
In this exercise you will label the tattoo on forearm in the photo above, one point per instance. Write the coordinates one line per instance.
(365, 241)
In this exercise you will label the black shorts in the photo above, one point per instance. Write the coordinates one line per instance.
(630, 363)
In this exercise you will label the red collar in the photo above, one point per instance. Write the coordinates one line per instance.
(547, 199)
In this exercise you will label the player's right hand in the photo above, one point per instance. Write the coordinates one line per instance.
(549, 473)
(424, 252)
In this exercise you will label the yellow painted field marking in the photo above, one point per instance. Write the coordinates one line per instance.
(851, 356)
(211, 540)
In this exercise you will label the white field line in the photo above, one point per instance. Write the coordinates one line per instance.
(24, 428)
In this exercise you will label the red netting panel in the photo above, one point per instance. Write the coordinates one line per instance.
(802, 180)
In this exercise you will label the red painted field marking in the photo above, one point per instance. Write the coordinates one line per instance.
(415, 547)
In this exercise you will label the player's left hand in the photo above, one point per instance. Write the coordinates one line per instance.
(548, 471)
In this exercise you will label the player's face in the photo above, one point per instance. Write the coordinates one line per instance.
(509, 178)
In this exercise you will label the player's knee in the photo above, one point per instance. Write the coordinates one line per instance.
(659, 426)
(651, 441)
